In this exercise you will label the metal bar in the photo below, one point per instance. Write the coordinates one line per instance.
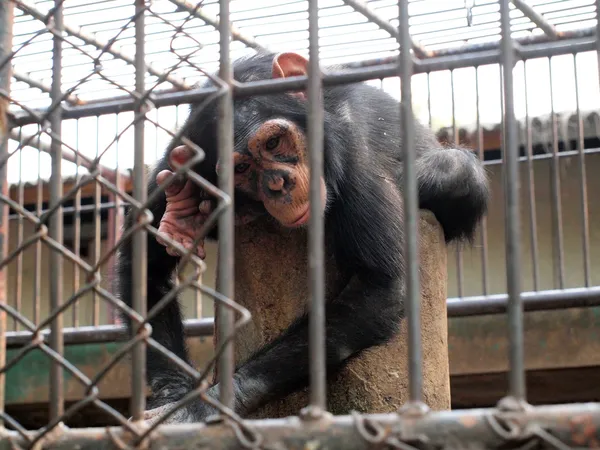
(56, 220)
(97, 230)
(37, 286)
(557, 224)
(532, 301)
(76, 229)
(351, 75)
(571, 425)
(411, 204)
(456, 307)
(6, 35)
(226, 220)
(513, 235)
(138, 367)
(364, 9)
(318, 386)
(537, 18)
(19, 262)
(585, 221)
(531, 188)
(456, 138)
(483, 226)
(72, 99)
(89, 39)
(197, 11)
(598, 35)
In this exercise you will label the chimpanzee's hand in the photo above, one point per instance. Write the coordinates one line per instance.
(185, 212)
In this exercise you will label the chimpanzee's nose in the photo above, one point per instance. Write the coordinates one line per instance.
(276, 183)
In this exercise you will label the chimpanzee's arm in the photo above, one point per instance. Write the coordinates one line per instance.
(453, 186)
(367, 313)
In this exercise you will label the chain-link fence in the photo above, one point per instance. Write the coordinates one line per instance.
(76, 98)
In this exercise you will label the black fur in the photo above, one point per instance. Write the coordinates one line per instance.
(363, 173)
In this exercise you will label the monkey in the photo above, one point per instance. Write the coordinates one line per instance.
(361, 189)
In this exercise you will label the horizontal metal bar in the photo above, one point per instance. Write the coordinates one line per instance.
(104, 333)
(353, 75)
(72, 99)
(532, 301)
(572, 425)
(457, 307)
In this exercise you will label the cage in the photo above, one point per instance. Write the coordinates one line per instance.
(91, 94)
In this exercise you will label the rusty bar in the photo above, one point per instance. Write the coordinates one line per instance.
(138, 367)
(531, 187)
(411, 212)
(56, 220)
(513, 235)
(318, 387)
(226, 220)
(537, 18)
(585, 220)
(6, 30)
(364, 9)
(571, 425)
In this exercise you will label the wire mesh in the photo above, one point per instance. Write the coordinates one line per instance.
(70, 68)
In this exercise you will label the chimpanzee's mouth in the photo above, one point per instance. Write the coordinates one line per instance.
(302, 219)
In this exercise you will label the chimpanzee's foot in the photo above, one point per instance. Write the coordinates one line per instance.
(185, 213)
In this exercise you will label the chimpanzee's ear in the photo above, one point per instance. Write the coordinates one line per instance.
(290, 65)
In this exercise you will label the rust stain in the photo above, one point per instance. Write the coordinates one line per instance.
(584, 431)
(469, 421)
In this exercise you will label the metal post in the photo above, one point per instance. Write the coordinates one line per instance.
(513, 223)
(318, 387)
(598, 35)
(56, 220)
(138, 368)
(6, 23)
(226, 231)
(411, 236)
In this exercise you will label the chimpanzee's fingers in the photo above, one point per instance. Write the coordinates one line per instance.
(174, 187)
(180, 155)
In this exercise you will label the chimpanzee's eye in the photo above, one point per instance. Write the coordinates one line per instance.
(272, 143)
(241, 168)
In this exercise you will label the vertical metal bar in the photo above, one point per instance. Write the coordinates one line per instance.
(411, 236)
(559, 253)
(118, 209)
(226, 235)
(513, 225)
(456, 138)
(480, 151)
(97, 232)
(585, 221)
(56, 221)
(6, 24)
(138, 368)
(531, 186)
(37, 284)
(318, 387)
(598, 35)
(76, 228)
(19, 274)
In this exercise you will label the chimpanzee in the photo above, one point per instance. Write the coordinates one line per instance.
(361, 189)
